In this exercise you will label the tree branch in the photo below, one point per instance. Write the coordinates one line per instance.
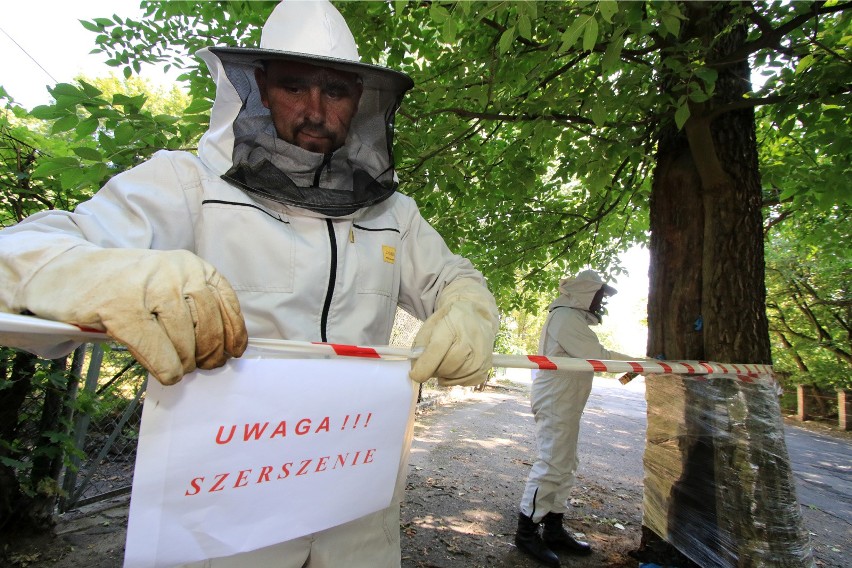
(772, 99)
(800, 363)
(556, 117)
(770, 38)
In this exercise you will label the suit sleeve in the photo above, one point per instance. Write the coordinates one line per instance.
(428, 265)
(570, 330)
(145, 207)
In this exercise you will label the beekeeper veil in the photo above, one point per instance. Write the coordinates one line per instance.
(242, 146)
(579, 292)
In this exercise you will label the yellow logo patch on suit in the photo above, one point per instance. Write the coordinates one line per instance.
(389, 254)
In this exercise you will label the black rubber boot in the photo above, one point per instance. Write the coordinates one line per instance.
(556, 537)
(529, 541)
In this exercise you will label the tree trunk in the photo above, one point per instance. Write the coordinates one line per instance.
(29, 489)
(707, 301)
(677, 232)
(19, 373)
(49, 451)
(707, 298)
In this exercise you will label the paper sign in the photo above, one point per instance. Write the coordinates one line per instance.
(262, 451)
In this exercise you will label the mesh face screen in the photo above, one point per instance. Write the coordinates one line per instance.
(359, 174)
(270, 182)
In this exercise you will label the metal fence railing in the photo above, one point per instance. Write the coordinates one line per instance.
(105, 440)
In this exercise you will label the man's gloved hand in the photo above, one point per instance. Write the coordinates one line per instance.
(172, 309)
(459, 337)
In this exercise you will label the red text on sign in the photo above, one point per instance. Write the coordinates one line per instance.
(244, 477)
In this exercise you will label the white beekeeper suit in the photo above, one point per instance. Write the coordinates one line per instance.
(559, 397)
(184, 256)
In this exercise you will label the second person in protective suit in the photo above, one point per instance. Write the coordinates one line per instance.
(558, 399)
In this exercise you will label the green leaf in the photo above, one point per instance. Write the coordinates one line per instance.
(90, 90)
(707, 74)
(673, 63)
(506, 40)
(698, 96)
(608, 9)
(199, 118)
(50, 166)
(64, 124)
(12, 463)
(681, 114)
(438, 13)
(130, 104)
(525, 26)
(88, 154)
(599, 114)
(671, 24)
(91, 26)
(86, 127)
(435, 95)
(590, 34)
(71, 178)
(166, 120)
(124, 133)
(198, 106)
(572, 34)
(45, 112)
(804, 63)
(97, 172)
(612, 55)
(448, 31)
(67, 90)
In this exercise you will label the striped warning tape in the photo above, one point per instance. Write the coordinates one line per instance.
(13, 326)
(745, 370)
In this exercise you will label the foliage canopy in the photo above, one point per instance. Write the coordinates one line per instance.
(530, 136)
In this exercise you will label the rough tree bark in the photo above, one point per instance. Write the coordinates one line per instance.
(706, 223)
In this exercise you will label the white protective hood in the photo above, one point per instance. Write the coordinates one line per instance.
(241, 144)
(579, 291)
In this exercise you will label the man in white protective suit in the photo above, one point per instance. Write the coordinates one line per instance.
(558, 399)
(285, 225)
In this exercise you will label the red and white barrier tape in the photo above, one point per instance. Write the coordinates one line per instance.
(14, 325)
(525, 361)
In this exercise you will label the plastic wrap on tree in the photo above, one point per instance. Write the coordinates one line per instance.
(718, 482)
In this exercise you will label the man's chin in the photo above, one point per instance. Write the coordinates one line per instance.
(318, 145)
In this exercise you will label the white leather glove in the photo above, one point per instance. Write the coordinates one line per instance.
(459, 337)
(172, 309)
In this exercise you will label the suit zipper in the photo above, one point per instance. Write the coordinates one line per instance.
(332, 278)
(332, 275)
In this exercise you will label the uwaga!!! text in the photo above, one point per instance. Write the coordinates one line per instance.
(258, 431)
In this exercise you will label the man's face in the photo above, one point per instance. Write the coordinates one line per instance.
(312, 107)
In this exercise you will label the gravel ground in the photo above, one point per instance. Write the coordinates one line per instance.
(468, 466)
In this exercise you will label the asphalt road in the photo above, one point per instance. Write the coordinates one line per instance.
(822, 467)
